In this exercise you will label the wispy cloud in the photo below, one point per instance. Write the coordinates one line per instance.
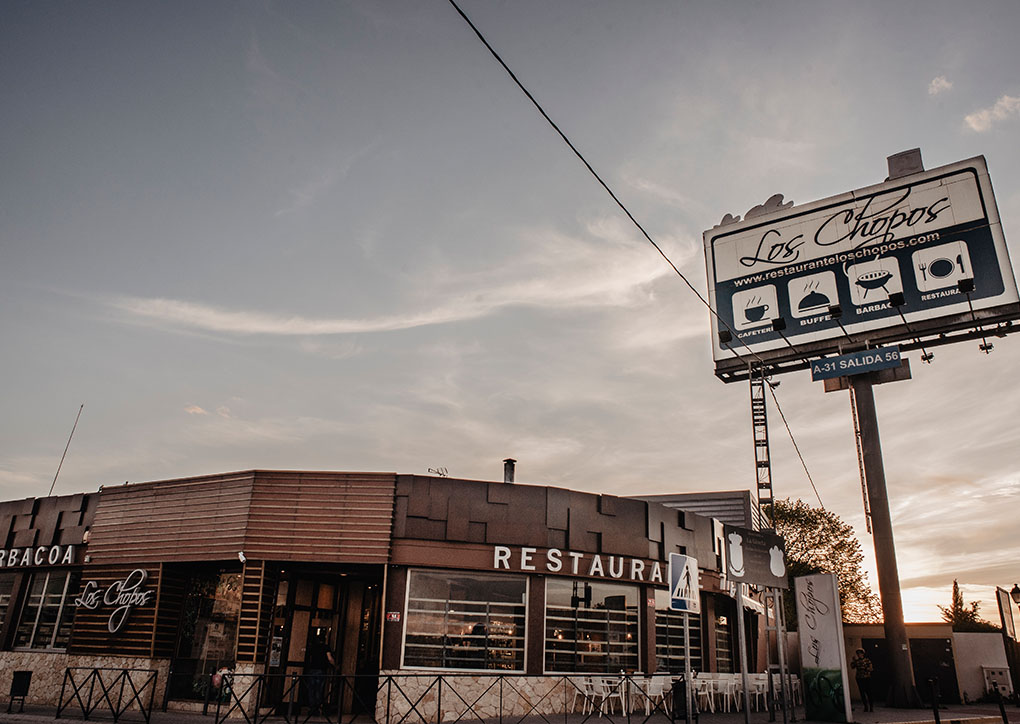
(195, 410)
(939, 84)
(305, 195)
(665, 193)
(559, 272)
(1004, 108)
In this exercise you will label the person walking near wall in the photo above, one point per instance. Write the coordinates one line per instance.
(320, 660)
(863, 668)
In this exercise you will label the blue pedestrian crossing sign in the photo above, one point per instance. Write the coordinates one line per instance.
(683, 584)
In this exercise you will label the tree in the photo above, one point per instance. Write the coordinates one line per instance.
(818, 541)
(962, 616)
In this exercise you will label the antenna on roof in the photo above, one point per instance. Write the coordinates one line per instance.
(65, 448)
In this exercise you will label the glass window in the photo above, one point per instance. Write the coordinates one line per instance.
(725, 625)
(47, 614)
(590, 626)
(465, 621)
(207, 638)
(6, 587)
(669, 636)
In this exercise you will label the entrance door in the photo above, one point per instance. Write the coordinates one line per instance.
(344, 611)
(933, 660)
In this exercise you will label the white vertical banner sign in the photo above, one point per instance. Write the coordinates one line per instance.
(822, 651)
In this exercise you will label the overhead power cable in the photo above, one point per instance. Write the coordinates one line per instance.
(601, 182)
(627, 212)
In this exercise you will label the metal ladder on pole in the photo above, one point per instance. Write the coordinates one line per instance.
(759, 423)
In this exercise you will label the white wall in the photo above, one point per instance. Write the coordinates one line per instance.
(972, 651)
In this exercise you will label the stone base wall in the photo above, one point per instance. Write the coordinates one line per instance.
(48, 672)
(418, 698)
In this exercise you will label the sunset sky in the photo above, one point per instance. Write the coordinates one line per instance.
(335, 235)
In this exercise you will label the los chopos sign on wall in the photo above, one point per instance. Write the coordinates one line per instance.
(927, 236)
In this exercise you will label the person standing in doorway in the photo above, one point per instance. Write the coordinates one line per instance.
(862, 667)
(319, 661)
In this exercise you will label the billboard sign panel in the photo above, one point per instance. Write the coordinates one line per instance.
(754, 556)
(683, 584)
(1006, 612)
(918, 236)
(822, 652)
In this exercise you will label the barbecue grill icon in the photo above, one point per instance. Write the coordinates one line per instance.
(874, 280)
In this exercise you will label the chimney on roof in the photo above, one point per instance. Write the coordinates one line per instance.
(508, 470)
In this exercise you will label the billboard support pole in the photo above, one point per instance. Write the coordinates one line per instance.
(777, 604)
(687, 667)
(742, 641)
(902, 693)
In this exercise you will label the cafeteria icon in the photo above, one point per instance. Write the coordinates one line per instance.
(754, 307)
(754, 312)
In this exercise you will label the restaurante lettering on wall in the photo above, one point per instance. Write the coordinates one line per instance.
(576, 563)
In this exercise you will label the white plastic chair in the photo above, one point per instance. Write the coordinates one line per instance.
(582, 690)
(604, 692)
(704, 688)
(758, 691)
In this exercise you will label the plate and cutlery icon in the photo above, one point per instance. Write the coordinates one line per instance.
(941, 266)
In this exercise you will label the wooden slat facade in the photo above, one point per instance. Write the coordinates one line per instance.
(308, 517)
(197, 519)
(257, 599)
(137, 637)
(281, 516)
(321, 517)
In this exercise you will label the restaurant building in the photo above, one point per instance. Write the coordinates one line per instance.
(399, 573)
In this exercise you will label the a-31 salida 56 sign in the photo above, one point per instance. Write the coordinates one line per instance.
(926, 237)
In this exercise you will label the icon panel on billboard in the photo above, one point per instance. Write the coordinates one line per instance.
(755, 307)
(813, 295)
(871, 282)
(941, 266)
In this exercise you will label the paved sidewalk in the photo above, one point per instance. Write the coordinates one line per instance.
(957, 714)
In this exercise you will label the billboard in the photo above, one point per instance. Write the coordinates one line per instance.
(908, 258)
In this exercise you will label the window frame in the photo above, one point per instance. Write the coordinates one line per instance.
(636, 623)
(525, 605)
(65, 605)
(695, 631)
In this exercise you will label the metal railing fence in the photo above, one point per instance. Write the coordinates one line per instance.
(441, 699)
(115, 690)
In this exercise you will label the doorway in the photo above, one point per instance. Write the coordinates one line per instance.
(343, 608)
